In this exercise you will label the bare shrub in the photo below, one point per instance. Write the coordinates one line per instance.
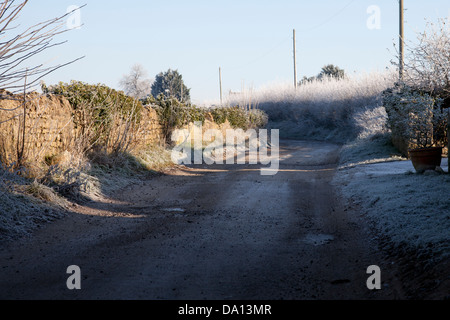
(427, 62)
(427, 73)
(136, 83)
(106, 119)
(17, 48)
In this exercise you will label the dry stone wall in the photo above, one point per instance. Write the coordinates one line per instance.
(50, 130)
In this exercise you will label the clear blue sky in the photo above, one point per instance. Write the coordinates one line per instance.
(250, 40)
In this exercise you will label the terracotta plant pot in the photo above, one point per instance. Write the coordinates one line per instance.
(426, 158)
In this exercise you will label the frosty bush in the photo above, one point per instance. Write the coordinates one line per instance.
(136, 84)
(321, 109)
(219, 115)
(257, 118)
(174, 114)
(415, 116)
(96, 108)
(427, 63)
(237, 117)
(416, 103)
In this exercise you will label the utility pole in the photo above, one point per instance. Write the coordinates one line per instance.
(220, 84)
(402, 42)
(182, 92)
(295, 62)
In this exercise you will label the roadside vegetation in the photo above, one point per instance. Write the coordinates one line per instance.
(408, 209)
(372, 116)
(102, 156)
(322, 108)
(359, 112)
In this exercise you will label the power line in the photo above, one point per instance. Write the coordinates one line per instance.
(263, 55)
(328, 19)
(295, 62)
(289, 39)
(401, 40)
(220, 84)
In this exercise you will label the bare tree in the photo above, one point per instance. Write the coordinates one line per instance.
(17, 47)
(427, 65)
(136, 83)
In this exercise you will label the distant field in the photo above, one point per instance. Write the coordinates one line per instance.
(328, 109)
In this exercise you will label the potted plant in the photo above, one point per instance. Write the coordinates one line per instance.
(426, 158)
(423, 122)
(417, 120)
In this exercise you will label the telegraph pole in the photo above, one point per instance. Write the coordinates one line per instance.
(295, 62)
(402, 42)
(220, 84)
(182, 92)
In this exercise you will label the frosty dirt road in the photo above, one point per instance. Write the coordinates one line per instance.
(208, 232)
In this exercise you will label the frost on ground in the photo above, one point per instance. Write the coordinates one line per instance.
(27, 204)
(322, 109)
(21, 215)
(412, 210)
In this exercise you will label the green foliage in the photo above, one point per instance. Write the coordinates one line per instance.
(173, 114)
(219, 115)
(240, 118)
(102, 98)
(171, 85)
(257, 118)
(328, 71)
(195, 114)
(237, 117)
(307, 80)
(96, 107)
(332, 71)
(149, 100)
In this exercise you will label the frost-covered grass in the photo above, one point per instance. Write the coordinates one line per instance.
(411, 210)
(373, 143)
(116, 172)
(321, 109)
(26, 204)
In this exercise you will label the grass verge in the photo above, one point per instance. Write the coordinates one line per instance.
(27, 204)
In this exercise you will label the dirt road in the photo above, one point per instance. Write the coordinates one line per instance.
(208, 232)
